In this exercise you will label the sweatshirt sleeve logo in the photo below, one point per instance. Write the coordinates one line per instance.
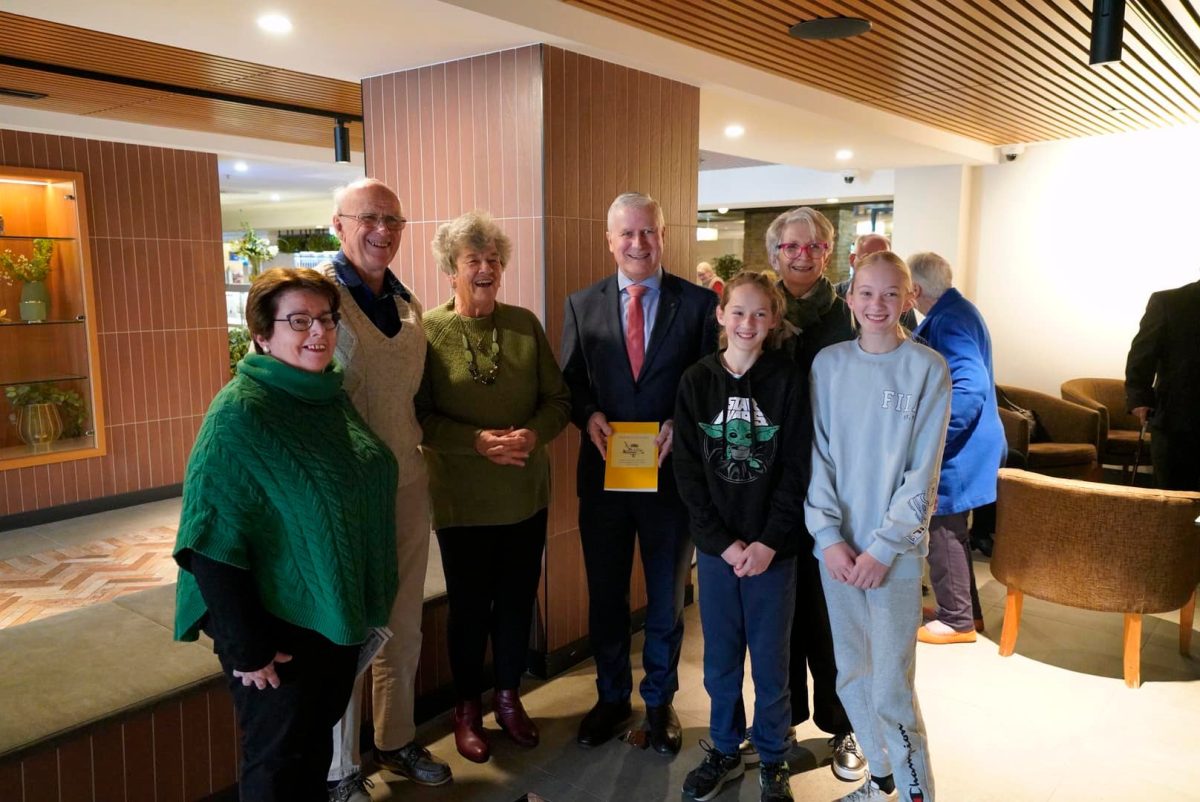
(739, 444)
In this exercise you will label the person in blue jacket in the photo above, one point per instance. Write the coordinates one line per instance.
(975, 445)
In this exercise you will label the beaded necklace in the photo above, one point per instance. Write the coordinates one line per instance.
(482, 349)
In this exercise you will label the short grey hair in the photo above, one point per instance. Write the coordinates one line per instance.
(340, 193)
(636, 200)
(818, 225)
(932, 273)
(475, 230)
(862, 240)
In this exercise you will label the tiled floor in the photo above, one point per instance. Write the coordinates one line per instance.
(1052, 723)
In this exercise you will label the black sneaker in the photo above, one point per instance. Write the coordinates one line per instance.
(705, 781)
(773, 782)
(414, 762)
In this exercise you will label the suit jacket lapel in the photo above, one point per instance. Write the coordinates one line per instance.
(668, 305)
(611, 304)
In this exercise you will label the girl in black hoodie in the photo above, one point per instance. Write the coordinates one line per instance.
(741, 471)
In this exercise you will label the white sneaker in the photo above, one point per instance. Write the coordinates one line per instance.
(870, 792)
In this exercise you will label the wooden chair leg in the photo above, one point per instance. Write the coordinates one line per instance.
(1186, 615)
(1012, 621)
(1133, 649)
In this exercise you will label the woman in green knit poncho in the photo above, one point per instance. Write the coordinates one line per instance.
(286, 548)
(491, 401)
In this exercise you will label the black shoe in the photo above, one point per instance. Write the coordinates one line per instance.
(706, 780)
(414, 762)
(982, 544)
(773, 783)
(602, 722)
(666, 735)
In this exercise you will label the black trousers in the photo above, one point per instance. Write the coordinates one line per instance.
(812, 649)
(491, 581)
(1176, 458)
(609, 524)
(287, 740)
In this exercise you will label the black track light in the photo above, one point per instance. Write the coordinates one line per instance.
(341, 142)
(1108, 24)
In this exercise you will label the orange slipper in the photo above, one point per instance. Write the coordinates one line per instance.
(925, 635)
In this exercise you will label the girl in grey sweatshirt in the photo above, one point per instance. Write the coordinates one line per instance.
(880, 408)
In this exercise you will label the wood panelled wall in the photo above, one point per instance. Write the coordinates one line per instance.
(544, 139)
(155, 236)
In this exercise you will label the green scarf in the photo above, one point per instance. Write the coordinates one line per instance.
(805, 312)
(315, 388)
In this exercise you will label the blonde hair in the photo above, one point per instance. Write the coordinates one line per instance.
(476, 230)
(890, 258)
(775, 300)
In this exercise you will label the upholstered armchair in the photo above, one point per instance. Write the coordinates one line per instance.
(1066, 442)
(1100, 547)
(1119, 429)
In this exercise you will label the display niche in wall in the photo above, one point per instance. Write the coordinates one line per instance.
(49, 352)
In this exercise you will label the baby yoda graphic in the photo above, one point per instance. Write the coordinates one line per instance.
(740, 452)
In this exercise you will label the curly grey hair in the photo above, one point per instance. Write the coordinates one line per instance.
(475, 230)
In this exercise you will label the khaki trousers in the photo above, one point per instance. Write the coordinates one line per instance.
(394, 670)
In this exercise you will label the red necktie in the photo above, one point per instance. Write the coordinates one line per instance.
(635, 328)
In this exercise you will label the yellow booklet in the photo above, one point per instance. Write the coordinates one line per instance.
(632, 460)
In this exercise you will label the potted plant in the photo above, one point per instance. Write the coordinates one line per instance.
(35, 300)
(254, 249)
(727, 266)
(44, 412)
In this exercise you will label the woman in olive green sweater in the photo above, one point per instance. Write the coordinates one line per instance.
(491, 401)
(286, 543)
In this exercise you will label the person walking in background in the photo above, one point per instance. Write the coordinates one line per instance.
(491, 401)
(975, 446)
(381, 346)
(798, 245)
(708, 278)
(626, 341)
(1162, 384)
(741, 472)
(286, 544)
(880, 409)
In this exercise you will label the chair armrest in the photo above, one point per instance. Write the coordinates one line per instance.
(1064, 421)
(1016, 430)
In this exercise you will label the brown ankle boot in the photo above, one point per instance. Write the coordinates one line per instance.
(512, 718)
(469, 736)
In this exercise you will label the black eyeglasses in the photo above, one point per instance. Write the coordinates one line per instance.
(302, 322)
(389, 221)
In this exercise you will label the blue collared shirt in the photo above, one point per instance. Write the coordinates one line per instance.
(653, 286)
(381, 308)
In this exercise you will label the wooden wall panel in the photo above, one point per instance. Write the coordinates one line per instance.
(544, 139)
(155, 239)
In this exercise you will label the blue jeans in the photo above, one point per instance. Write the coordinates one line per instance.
(756, 613)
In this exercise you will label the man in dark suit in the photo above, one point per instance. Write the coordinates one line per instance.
(626, 341)
(1162, 384)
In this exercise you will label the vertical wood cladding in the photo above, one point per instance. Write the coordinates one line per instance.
(155, 237)
(544, 139)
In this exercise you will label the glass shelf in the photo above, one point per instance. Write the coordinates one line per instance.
(51, 380)
(79, 319)
(31, 239)
(62, 445)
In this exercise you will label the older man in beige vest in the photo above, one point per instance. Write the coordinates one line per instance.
(381, 347)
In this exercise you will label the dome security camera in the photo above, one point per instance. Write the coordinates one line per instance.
(849, 175)
(1010, 153)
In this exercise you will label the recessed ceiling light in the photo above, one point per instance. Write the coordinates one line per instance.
(845, 154)
(275, 196)
(275, 23)
(832, 200)
(241, 167)
(734, 130)
(722, 210)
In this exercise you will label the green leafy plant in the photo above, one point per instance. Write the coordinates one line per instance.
(239, 344)
(727, 266)
(18, 267)
(71, 406)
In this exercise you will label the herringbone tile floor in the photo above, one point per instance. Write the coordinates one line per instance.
(45, 583)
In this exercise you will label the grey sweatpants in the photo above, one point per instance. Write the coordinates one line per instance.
(875, 644)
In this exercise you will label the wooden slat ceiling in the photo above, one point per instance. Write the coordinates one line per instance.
(1000, 71)
(64, 45)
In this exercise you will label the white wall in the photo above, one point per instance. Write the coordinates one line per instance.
(1068, 242)
(780, 185)
(932, 214)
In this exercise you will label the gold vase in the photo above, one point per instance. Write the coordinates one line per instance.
(39, 425)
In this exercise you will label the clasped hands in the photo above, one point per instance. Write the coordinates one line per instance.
(509, 446)
(857, 570)
(749, 560)
(598, 432)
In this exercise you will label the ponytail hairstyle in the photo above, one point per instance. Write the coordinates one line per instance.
(890, 258)
(775, 300)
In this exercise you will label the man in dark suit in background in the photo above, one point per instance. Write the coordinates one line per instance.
(626, 341)
(1162, 384)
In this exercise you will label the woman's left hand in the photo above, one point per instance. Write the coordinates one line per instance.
(264, 676)
(867, 573)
